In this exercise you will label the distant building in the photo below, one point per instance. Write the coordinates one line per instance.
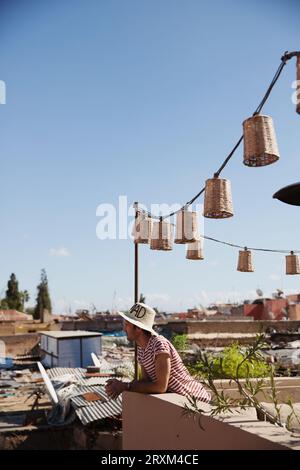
(13, 315)
(267, 309)
(294, 311)
(293, 298)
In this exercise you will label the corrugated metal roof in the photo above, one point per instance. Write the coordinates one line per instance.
(80, 389)
(59, 371)
(97, 411)
(80, 376)
(80, 401)
(89, 411)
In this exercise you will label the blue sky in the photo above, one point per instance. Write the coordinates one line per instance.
(143, 99)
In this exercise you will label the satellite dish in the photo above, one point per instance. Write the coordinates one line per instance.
(259, 292)
(96, 361)
(50, 389)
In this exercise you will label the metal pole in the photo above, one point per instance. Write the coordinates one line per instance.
(136, 288)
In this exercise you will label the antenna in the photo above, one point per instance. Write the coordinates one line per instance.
(93, 308)
(113, 304)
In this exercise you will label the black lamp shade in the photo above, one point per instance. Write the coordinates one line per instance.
(289, 194)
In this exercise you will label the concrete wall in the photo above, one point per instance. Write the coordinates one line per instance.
(75, 437)
(21, 344)
(286, 388)
(23, 327)
(7, 328)
(105, 324)
(192, 326)
(293, 297)
(294, 312)
(270, 309)
(157, 422)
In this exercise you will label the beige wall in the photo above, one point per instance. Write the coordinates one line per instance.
(294, 312)
(20, 344)
(157, 422)
(286, 387)
(7, 328)
(226, 326)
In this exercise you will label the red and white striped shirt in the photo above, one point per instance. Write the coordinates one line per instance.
(180, 380)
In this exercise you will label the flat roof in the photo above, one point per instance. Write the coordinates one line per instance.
(71, 334)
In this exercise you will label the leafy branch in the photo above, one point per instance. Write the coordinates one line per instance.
(248, 389)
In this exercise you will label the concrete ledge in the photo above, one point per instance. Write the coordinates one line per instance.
(286, 387)
(157, 422)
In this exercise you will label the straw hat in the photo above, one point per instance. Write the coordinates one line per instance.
(141, 315)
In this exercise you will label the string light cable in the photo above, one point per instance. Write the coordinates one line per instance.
(284, 59)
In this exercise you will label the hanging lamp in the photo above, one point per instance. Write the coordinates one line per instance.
(186, 227)
(260, 144)
(217, 198)
(161, 236)
(195, 250)
(142, 229)
(245, 263)
(292, 264)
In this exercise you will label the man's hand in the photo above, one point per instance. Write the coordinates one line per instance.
(114, 387)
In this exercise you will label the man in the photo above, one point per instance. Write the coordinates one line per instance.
(162, 369)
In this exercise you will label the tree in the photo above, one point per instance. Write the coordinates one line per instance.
(30, 311)
(43, 301)
(3, 304)
(142, 299)
(24, 295)
(13, 298)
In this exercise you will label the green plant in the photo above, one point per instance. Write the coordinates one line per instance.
(224, 365)
(180, 342)
(246, 362)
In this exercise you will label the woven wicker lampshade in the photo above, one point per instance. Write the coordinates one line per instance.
(217, 199)
(186, 227)
(161, 236)
(245, 263)
(292, 264)
(195, 250)
(142, 229)
(298, 85)
(260, 145)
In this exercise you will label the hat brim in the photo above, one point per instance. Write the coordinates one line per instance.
(137, 323)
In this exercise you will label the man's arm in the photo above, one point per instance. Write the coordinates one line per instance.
(144, 376)
(162, 370)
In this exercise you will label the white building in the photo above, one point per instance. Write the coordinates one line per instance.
(69, 348)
